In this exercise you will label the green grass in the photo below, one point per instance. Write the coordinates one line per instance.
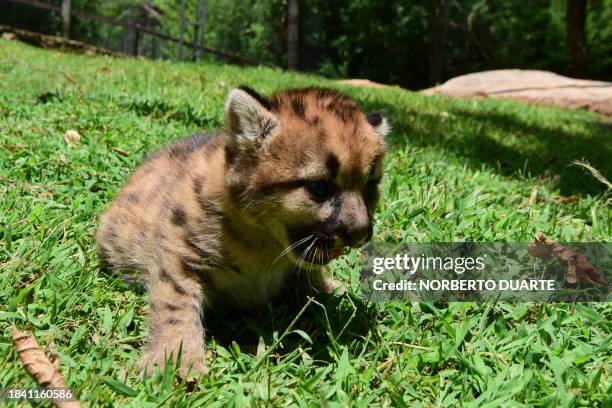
(457, 170)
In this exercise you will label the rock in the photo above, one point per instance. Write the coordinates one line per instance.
(531, 86)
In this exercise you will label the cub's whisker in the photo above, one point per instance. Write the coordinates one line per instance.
(291, 247)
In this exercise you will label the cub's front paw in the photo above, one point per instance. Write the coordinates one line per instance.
(190, 362)
(329, 286)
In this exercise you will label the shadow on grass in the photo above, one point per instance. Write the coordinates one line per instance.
(162, 110)
(330, 322)
(510, 145)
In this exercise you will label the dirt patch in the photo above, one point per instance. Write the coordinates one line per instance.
(366, 83)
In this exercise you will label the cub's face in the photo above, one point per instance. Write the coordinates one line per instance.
(305, 165)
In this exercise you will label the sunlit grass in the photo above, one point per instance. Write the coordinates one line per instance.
(457, 170)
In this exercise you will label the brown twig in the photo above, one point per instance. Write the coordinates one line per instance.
(43, 370)
(499, 356)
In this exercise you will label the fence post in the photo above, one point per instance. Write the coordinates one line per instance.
(66, 9)
(182, 30)
(204, 11)
(136, 40)
(292, 34)
(196, 26)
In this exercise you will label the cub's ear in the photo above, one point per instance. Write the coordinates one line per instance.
(248, 119)
(379, 122)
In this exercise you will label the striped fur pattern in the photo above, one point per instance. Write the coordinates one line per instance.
(230, 219)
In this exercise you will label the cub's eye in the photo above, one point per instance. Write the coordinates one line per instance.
(319, 190)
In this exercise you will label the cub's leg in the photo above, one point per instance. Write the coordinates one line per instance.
(176, 300)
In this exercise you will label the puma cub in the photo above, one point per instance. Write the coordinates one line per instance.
(229, 219)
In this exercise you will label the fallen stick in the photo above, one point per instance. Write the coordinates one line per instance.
(43, 370)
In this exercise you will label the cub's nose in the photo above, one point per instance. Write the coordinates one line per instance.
(356, 235)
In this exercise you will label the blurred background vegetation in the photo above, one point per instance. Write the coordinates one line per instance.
(414, 44)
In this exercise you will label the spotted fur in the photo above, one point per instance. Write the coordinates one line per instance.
(231, 218)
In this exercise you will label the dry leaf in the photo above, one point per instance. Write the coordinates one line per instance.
(72, 138)
(27, 281)
(69, 77)
(13, 148)
(36, 363)
(541, 247)
(578, 267)
(120, 152)
(261, 347)
(566, 199)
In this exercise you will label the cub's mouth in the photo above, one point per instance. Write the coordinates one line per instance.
(315, 249)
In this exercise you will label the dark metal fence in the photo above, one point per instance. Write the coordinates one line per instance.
(133, 40)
